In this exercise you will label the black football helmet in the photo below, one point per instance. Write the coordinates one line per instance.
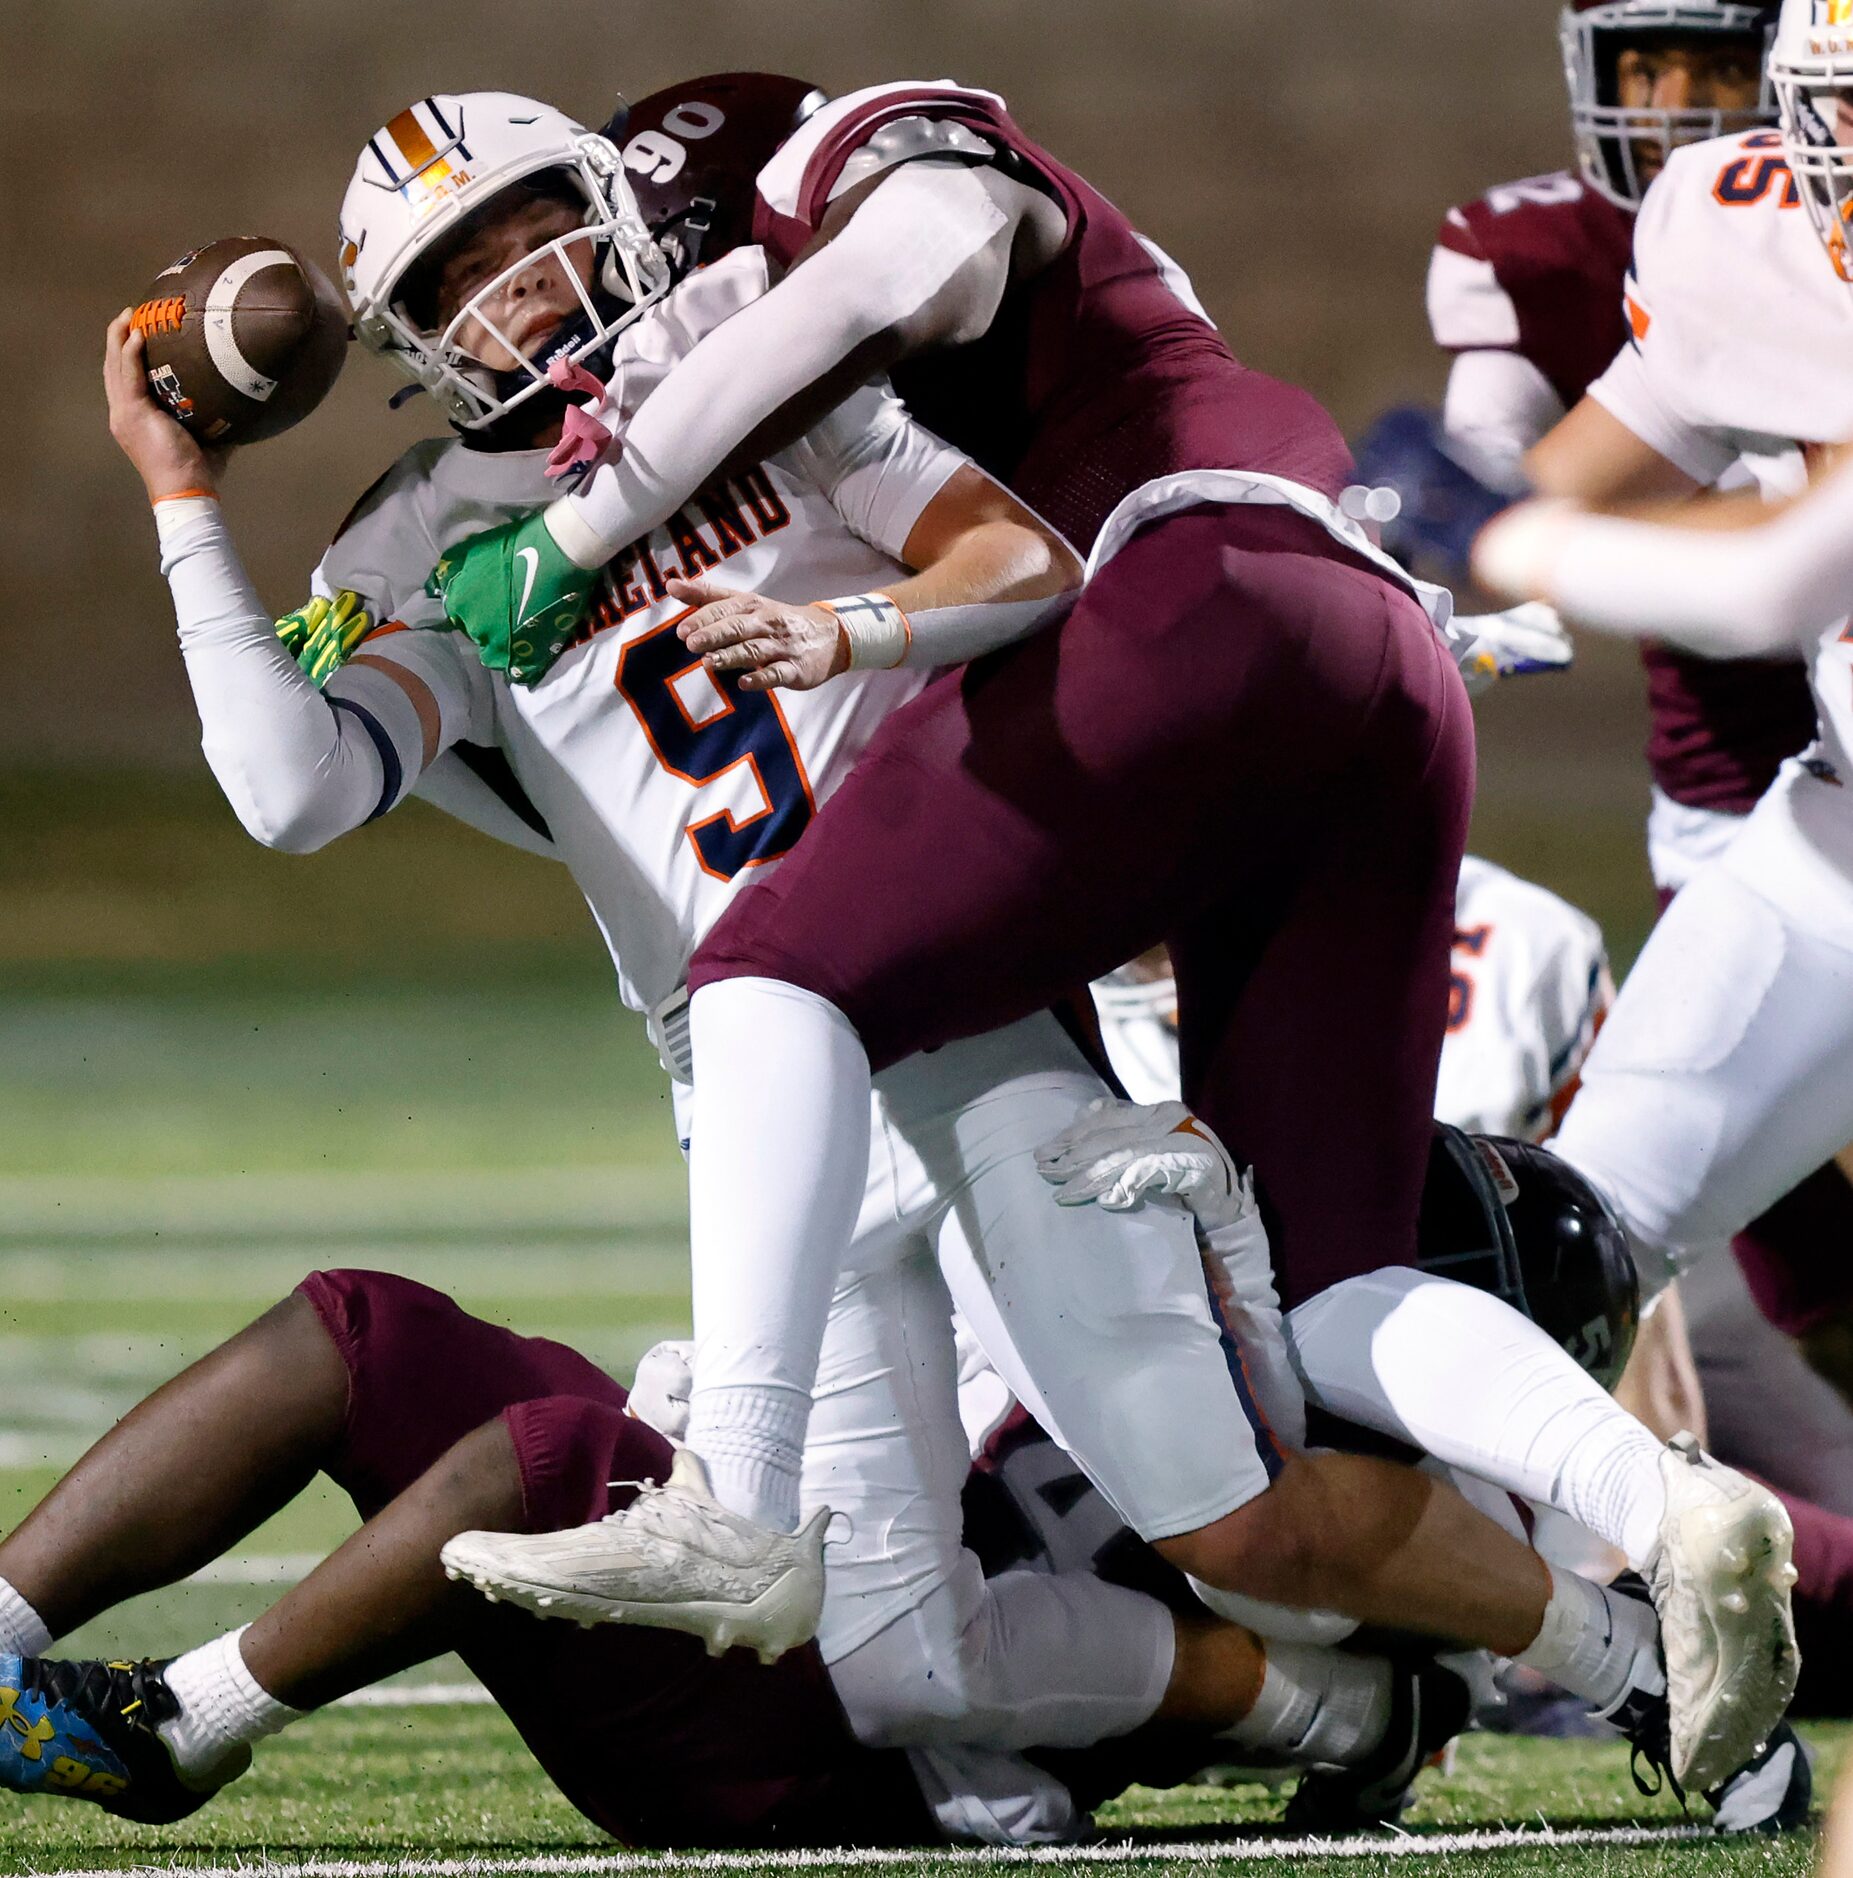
(693, 150)
(1522, 1223)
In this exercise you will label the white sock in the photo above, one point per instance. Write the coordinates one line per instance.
(778, 1166)
(22, 1629)
(1463, 1376)
(1317, 1706)
(222, 1706)
(1595, 1642)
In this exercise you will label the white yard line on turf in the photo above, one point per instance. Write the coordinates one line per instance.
(1119, 1852)
(419, 1695)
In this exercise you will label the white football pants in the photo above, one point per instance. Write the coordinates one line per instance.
(1725, 1072)
(1101, 1323)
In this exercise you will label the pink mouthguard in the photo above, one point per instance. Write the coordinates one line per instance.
(583, 439)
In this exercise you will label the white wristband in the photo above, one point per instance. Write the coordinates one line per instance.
(875, 628)
(575, 537)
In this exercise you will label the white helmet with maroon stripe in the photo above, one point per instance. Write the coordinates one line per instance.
(1812, 71)
(432, 170)
(1609, 136)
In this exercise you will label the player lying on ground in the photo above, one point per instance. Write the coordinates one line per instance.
(1744, 996)
(432, 1421)
(648, 778)
(922, 824)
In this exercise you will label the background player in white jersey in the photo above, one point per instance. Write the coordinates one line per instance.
(415, 692)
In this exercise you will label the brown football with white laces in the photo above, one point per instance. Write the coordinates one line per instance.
(244, 338)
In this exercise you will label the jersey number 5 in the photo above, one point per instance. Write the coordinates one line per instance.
(703, 727)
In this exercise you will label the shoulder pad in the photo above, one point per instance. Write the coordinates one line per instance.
(902, 141)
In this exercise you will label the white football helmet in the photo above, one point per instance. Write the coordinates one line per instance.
(1594, 34)
(1811, 69)
(434, 166)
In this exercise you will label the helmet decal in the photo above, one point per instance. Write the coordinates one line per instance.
(415, 151)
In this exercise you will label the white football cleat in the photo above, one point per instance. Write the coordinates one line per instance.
(674, 1559)
(1720, 1583)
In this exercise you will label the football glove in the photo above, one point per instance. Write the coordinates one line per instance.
(323, 635)
(1524, 639)
(1121, 1154)
(517, 594)
(1445, 503)
(660, 1392)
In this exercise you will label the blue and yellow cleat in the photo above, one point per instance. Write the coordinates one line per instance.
(87, 1731)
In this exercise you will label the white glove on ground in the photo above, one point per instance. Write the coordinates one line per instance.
(665, 1381)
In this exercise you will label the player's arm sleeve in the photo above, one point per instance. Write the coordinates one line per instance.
(1468, 309)
(919, 226)
(878, 468)
(1498, 402)
(1745, 593)
(299, 766)
(883, 473)
(1498, 405)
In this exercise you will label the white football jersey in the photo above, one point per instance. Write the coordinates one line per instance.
(1743, 346)
(1528, 991)
(663, 790)
(1742, 333)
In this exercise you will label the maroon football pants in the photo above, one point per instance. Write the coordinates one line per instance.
(653, 1740)
(1244, 742)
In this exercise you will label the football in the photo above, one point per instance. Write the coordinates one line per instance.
(244, 338)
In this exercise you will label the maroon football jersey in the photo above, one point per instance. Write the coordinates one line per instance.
(1095, 376)
(1558, 251)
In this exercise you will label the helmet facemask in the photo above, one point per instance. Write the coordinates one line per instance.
(1611, 137)
(1812, 73)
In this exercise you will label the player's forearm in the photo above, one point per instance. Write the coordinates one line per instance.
(293, 771)
(994, 584)
(902, 246)
(1747, 594)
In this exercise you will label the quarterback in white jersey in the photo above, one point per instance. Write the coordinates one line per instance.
(1692, 1113)
(613, 786)
(585, 726)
